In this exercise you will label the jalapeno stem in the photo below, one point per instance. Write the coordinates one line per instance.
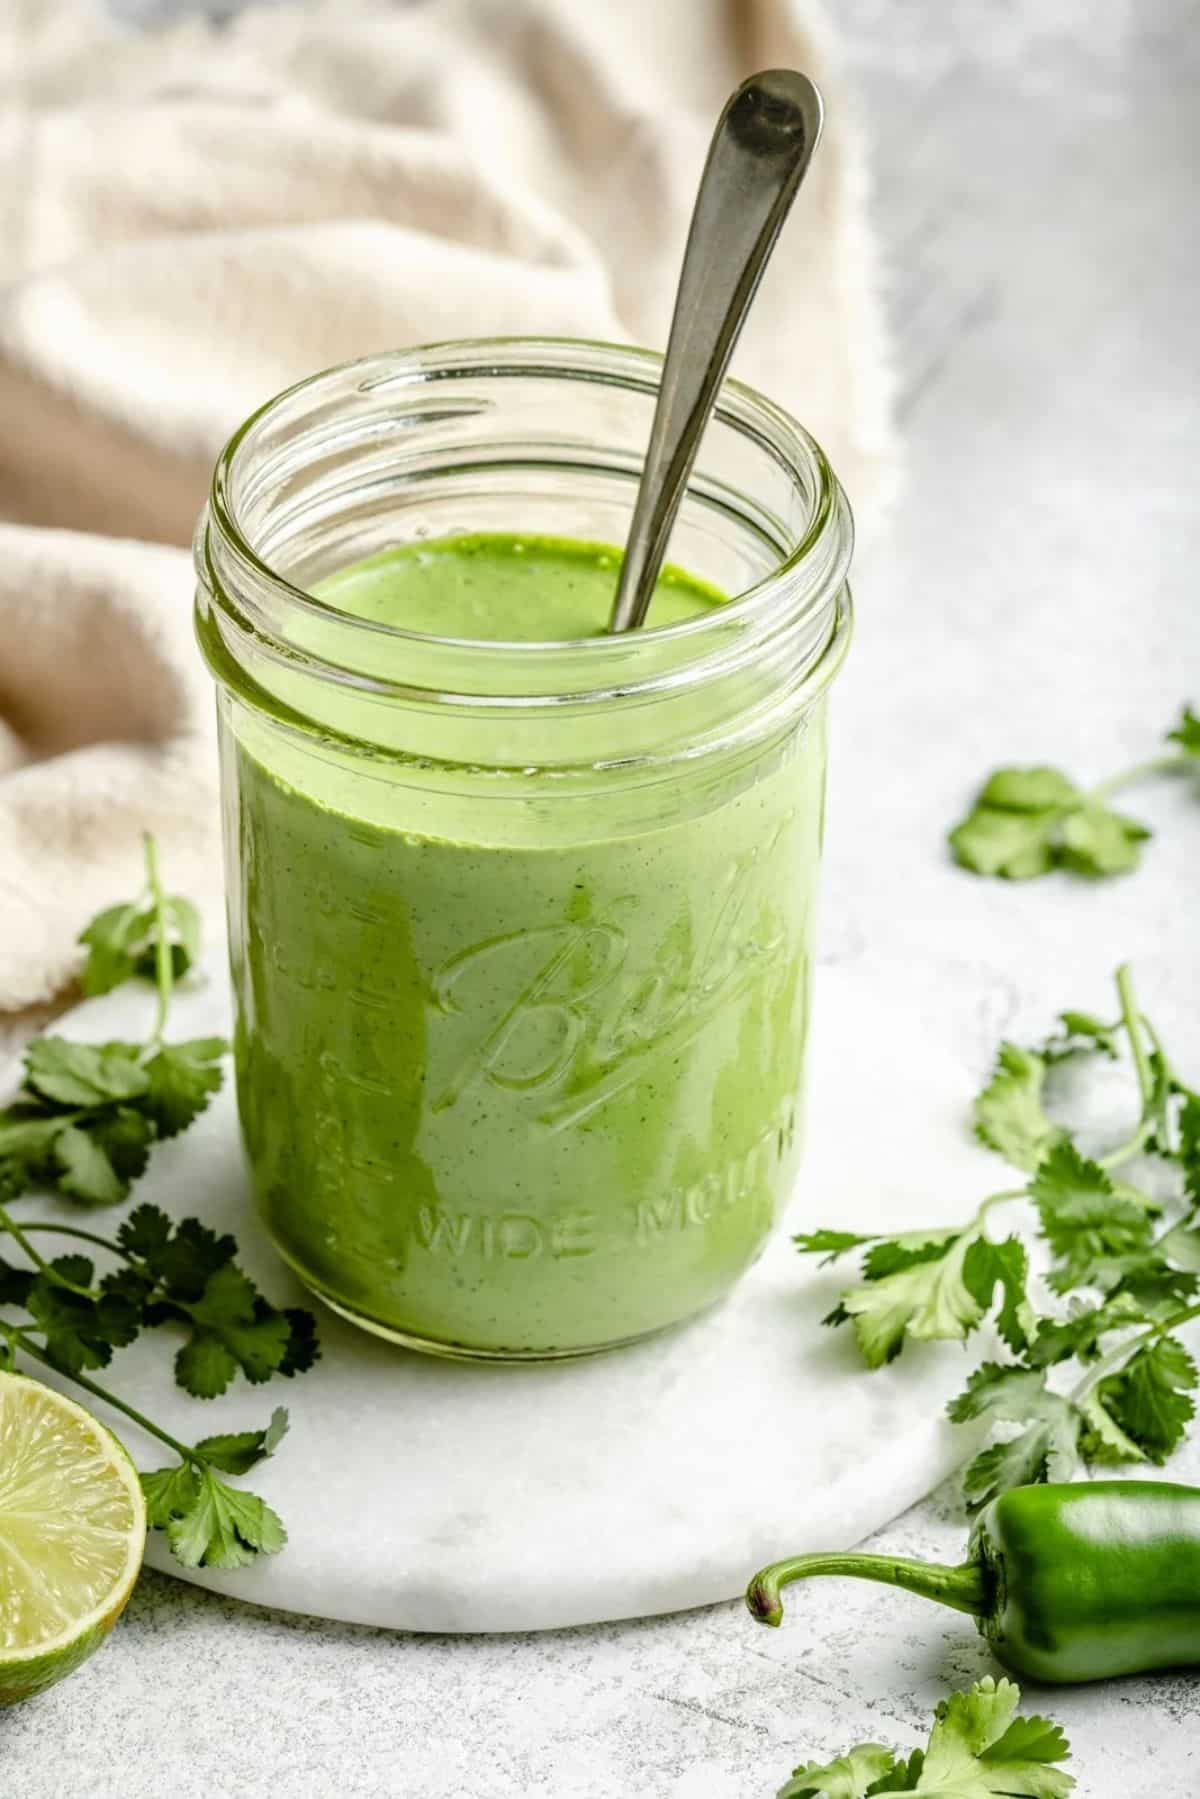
(960, 1587)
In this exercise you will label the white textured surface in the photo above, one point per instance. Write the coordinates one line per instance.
(1036, 167)
(437, 1496)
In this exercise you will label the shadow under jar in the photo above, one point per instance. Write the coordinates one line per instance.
(520, 933)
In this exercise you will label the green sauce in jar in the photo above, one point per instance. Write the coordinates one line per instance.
(506, 1092)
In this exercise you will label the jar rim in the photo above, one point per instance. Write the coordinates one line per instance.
(619, 365)
(260, 631)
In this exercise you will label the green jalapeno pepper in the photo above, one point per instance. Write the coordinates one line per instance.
(1067, 1583)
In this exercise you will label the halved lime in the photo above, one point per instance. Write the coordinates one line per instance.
(72, 1533)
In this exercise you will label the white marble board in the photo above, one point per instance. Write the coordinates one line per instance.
(431, 1495)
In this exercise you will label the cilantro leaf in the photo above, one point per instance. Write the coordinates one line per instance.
(129, 1284)
(145, 1233)
(1009, 1116)
(79, 1332)
(987, 1265)
(1148, 1281)
(192, 1258)
(903, 1778)
(114, 939)
(224, 1527)
(120, 942)
(208, 1523)
(86, 1173)
(84, 1074)
(978, 1747)
(14, 1180)
(190, 1277)
(1082, 1033)
(1047, 1448)
(1181, 1246)
(303, 1349)
(1029, 1740)
(237, 1452)
(182, 1079)
(182, 1257)
(1029, 790)
(1098, 841)
(1000, 1390)
(15, 1284)
(1043, 1451)
(851, 1776)
(1014, 846)
(1078, 1334)
(97, 1110)
(1189, 1147)
(1187, 732)
(89, 1154)
(125, 1134)
(890, 1254)
(1151, 1398)
(26, 1136)
(182, 923)
(1085, 1220)
(828, 1244)
(1011, 829)
(1102, 1439)
(205, 1366)
(168, 1493)
(1027, 821)
(926, 1299)
(233, 1327)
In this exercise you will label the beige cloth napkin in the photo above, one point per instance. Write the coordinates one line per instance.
(191, 220)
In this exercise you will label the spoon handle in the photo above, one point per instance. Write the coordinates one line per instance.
(760, 149)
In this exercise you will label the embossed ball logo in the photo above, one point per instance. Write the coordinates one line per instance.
(585, 1005)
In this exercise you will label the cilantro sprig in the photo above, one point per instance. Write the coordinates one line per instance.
(181, 1274)
(1098, 1373)
(979, 1746)
(1027, 821)
(129, 939)
(88, 1114)
(82, 1126)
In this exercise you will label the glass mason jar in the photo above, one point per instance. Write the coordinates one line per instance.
(520, 933)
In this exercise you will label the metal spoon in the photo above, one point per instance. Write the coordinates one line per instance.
(760, 150)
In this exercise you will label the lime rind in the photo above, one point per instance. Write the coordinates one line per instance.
(72, 1535)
